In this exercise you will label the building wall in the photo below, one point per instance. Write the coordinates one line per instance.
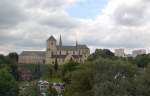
(84, 52)
(119, 52)
(31, 60)
(52, 50)
(138, 52)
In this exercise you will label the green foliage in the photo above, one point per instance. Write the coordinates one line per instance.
(143, 83)
(67, 69)
(8, 85)
(104, 53)
(56, 65)
(37, 70)
(114, 77)
(13, 57)
(52, 92)
(106, 75)
(10, 61)
(28, 89)
(81, 83)
(142, 60)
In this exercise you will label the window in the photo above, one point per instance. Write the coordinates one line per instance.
(51, 43)
(73, 52)
(67, 52)
(60, 52)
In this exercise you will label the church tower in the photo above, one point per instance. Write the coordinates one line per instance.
(51, 44)
(51, 49)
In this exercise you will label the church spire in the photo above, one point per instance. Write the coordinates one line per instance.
(60, 41)
(76, 44)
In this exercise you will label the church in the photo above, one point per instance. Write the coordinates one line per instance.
(55, 53)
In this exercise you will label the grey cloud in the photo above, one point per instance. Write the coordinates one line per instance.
(60, 21)
(10, 13)
(129, 15)
(52, 19)
(21, 42)
(47, 4)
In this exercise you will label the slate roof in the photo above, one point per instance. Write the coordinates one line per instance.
(33, 53)
(64, 56)
(72, 47)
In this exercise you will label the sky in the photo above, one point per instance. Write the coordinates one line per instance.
(27, 24)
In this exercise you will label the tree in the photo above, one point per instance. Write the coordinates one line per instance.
(143, 83)
(13, 57)
(8, 85)
(50, 71)
(142, 60)
(67, 69)
(104, 53)
(56, 65)
(28, 89)
(52, 92)
(115, 78)
(37, 71)
(81, 82)
(10, 61)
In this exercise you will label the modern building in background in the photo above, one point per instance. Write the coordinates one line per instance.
(119, 52)
(138, 52)
(55, 53)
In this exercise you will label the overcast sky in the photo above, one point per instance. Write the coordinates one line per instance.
(27, 24)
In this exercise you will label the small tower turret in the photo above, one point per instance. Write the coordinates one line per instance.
(51, 49)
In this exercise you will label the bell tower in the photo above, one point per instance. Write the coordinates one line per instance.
(51, 44)
(51, 49)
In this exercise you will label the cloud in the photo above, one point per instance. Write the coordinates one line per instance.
(10, 13)
(26, 24)
(130, 15)
(59, 20)
(121, 24)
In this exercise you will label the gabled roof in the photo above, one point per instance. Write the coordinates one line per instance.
(52, 38)
(33, 53)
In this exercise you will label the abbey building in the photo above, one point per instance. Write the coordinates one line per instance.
(55, 53)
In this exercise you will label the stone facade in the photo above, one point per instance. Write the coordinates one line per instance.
(61, 53)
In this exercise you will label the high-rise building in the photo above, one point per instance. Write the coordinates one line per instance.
(138, 52)
(119, 52)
